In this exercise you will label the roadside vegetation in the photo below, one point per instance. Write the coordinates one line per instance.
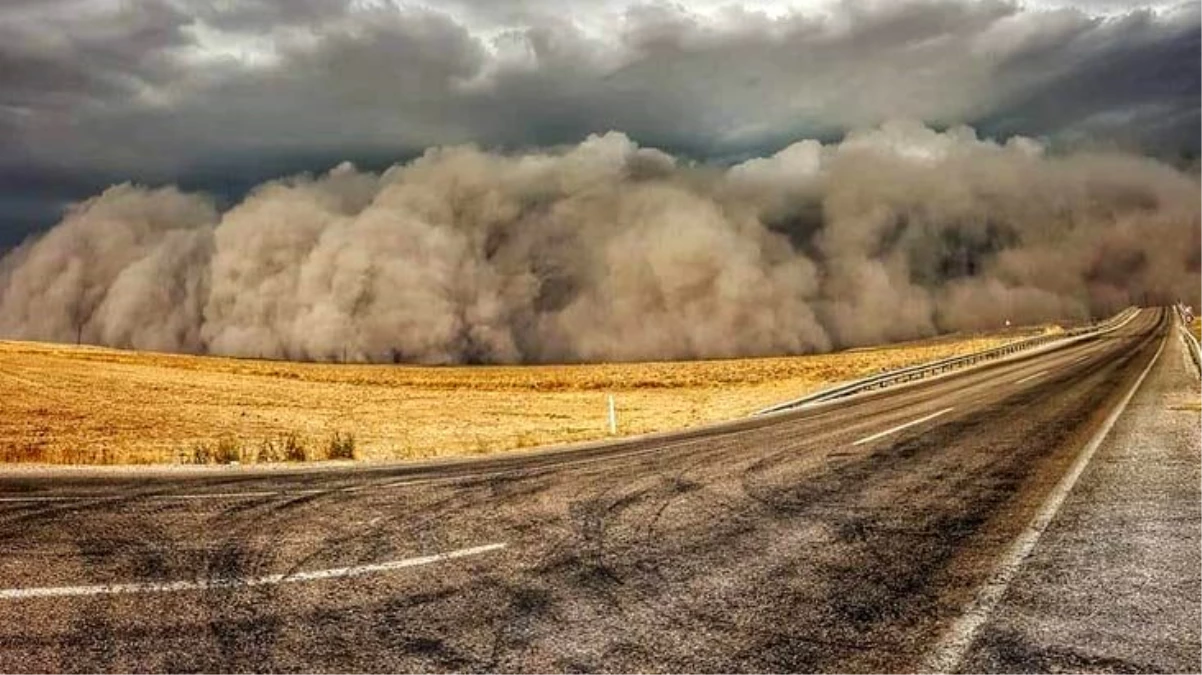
(288, 447)
(63, 404)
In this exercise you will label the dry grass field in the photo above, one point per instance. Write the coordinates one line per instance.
(86, 405)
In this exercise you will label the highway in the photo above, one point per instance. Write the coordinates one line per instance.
(855, 536)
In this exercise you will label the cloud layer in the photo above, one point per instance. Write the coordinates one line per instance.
(606, 250)
(161, 85)
(223, 95)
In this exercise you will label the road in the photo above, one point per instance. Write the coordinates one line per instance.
(851, 537)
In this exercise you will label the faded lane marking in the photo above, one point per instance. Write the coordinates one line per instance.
(176, 586)
(161, 498)
(1089, 352)
(901, 427)
(218, 495)
(1031, 377)
(954, 644)
(18, 500)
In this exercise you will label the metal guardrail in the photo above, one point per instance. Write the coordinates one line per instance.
(1191, 343)
(924, 370)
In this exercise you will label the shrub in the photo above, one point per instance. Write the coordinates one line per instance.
(341, 446)
(26, 452)
(201, 453)
(294, 449)
(227, 450)
(270, 451)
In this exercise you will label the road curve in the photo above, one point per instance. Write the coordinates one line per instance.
(843, 538)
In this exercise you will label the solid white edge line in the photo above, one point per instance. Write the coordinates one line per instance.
(157, 498)
(956, 640)
(175, 586)
(1031, 377)
(215, 495)
(900, 427)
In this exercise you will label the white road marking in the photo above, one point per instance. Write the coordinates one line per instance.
(1088, 353)
(900, 427)
(196, 495)
(954, 643)
(405, 483)
(159, 498)
(1031, 377)
(43, 499)
(215, 495)
(206, 584)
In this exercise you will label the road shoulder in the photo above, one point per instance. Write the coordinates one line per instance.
(1115, 583)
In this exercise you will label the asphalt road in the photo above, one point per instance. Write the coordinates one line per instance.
(845, 538)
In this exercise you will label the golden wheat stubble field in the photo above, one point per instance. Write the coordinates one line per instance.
(65, 404)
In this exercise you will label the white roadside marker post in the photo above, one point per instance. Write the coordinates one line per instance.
(613, 417)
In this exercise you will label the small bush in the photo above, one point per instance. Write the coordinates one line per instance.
(289, 447)
(227, 450)
(201, 454)
(26, 452)
(294, 449)
(341, 446)
(271, 450)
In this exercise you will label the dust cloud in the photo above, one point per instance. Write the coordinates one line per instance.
(609, 251)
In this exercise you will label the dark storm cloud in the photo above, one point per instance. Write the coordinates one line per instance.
(186, 80)
(258, 15)
(84, 57)
(157, 90)
(1134, 82)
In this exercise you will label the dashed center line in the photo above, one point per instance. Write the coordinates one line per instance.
(206, 584)
(900, 427)
(1031, 377)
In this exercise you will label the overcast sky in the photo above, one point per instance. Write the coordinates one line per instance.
(220, 94)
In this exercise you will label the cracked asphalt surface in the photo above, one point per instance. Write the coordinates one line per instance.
(772, 544)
